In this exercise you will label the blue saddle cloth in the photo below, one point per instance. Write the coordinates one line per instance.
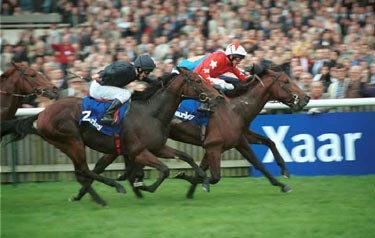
(187, 111)
(93, 110)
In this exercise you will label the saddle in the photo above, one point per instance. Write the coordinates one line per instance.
(93, 110)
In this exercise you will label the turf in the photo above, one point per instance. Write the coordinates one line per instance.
(338, 206)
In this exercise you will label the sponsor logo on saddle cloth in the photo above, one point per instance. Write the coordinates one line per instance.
(93, 110)
(187, 111)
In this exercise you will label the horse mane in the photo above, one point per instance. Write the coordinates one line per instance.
(153, 87)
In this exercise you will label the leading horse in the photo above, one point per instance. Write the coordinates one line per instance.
(144, 131)
(20, 81)
(228, 128)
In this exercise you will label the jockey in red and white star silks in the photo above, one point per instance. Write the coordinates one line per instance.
(219, 63)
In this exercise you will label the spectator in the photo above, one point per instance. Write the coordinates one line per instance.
(304, 82)
(324, 76)
(366, 89)
(372, 74)
(355, 75)
(320, 58)
(316, 93)
(338, 88)
(65, 53)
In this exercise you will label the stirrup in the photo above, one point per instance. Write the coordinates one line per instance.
(108, 121)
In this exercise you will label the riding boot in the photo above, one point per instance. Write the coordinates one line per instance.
(205, 108)
(108, 117)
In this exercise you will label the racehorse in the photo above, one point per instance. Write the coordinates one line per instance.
(144, 131)
(20, 81)
(228, 128)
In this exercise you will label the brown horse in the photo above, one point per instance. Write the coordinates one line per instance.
(144, 131)
(20, 81)
(228, 128)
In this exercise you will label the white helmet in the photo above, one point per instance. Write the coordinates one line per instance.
(235, 49)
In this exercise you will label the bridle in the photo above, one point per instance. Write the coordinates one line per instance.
(276, 80)
(202, 96)
(25, 77)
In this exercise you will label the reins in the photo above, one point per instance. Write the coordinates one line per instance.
(18, 95)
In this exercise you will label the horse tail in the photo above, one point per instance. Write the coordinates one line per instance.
(18, 128)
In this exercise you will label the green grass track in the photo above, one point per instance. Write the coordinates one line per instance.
(321, 207)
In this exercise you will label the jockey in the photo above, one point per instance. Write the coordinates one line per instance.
(211, 67)
(108, 84)
(219, 63)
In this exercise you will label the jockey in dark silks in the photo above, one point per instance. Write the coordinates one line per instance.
(109, 83)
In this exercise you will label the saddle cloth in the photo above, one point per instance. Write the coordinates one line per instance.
(187, 111)
(93, 110)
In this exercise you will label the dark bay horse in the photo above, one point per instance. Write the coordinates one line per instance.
(20, 81)
(228, 128)
(144, 131)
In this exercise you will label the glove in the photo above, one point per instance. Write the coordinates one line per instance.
(221, 84)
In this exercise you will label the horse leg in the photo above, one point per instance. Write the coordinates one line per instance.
(129, 167)
(248, 154)
(135, 175)
(75, 150)
(170, 153)
(146, 158)
(86, 187)
(194, 180)
(255, 138)
(100, 166)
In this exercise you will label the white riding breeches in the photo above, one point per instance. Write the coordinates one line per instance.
(109, 92)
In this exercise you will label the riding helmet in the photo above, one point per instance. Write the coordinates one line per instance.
(144, 62)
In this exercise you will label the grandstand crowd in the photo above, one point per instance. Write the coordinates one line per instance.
(329, 45)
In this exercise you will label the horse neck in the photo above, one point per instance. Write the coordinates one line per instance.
(9, 106)
(252, 102)
(165, 102)
(11, 83)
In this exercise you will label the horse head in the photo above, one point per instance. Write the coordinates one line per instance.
(195, 87)
(30, 81)
(282, 89)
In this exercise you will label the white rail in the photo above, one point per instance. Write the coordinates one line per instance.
(352, 102)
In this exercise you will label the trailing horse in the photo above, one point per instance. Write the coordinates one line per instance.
(144, 131)
(18, 82)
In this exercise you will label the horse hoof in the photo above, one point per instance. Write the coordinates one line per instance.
(285, 173)
(120, 189)
(72, 199)
(122, 177)
(206, 187)
(189, 196)
(286, 189)
(138, 184)
(180, 175)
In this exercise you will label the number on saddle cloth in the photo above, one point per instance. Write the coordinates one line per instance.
(93, 110)
(187, 111)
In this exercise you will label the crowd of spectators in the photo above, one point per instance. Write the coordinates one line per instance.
(331, 42)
